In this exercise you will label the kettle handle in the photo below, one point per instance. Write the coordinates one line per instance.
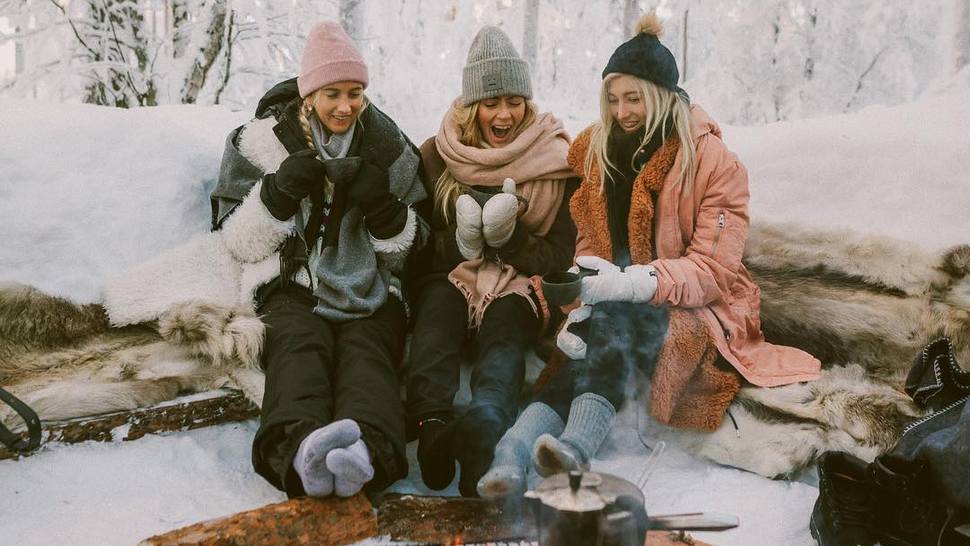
(650, 465)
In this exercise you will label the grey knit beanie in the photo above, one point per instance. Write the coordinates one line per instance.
(494, 68)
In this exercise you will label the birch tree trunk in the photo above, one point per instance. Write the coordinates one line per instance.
(179, 16)
(352, 17)
(530, 35)
(631, 14)
(206, 52)
(961, 35)
(116, 47)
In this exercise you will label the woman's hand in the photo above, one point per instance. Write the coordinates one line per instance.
(295, 178)
(370, 190)
(499, 215)
(636, 284)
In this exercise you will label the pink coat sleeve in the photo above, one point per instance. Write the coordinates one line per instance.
(712, 259)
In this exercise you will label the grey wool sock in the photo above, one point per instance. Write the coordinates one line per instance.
(351, 468)
(590, 419)
(310, 461)
(507, 475)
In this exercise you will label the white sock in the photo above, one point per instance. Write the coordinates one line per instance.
(351, 468)
(310, 461)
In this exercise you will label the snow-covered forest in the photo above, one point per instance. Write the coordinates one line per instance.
(748, 61)
(847, 115)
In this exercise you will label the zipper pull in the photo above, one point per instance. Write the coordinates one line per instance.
(720, 220)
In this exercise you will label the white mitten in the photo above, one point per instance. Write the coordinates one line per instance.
(644, 281)
(499, 214)
(468, 216)
(637, 284)
(597, 263)
(569, 343)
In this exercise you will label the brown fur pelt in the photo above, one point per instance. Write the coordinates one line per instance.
(865, 306)
(65, 361)
(869, 301)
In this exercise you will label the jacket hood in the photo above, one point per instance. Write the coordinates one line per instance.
(278, 96)
(702, 124)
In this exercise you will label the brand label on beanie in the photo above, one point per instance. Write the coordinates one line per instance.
(492, 82)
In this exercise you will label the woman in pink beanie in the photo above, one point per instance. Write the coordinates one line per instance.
(321, 200)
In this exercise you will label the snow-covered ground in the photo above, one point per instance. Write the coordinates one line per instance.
(86, 192)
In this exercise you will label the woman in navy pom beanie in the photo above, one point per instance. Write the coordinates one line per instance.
(662, 215)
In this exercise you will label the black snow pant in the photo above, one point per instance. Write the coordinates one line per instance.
(508, 330)
(620, 337)
(318, 372)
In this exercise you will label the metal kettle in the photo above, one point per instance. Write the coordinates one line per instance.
(597, 509)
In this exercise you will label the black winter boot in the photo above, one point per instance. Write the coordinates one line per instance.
(477, 433)
(907, 511)
(843, 512)
(436, 456)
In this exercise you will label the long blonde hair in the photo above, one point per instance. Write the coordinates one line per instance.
(307, 109)
(448, 188)
(662, 107)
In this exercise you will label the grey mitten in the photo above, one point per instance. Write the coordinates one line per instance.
(468, 235)
(499, 214)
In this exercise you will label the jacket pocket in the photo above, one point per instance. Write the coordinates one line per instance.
(721, 221)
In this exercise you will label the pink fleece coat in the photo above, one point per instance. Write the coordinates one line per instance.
(699, 240)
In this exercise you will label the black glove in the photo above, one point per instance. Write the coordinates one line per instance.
(297, 176)
(384, 214)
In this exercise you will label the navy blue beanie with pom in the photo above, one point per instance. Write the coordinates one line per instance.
(645, 57)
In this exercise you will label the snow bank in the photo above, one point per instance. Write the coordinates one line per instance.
(87, 191)
(902, 171)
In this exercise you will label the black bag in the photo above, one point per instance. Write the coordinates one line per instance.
(940, 440)
(921, 489)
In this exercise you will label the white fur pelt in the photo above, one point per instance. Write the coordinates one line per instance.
(864, 306)
(223, 268)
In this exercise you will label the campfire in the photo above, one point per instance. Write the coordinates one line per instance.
(575, 509)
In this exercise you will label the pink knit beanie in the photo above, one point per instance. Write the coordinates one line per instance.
(329, 56)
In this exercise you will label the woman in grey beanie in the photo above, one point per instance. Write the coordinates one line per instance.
(501, 186)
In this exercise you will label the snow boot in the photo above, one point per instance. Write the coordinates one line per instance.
(907, 509)
(476, 434)
(436, 456)
(842, 515)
